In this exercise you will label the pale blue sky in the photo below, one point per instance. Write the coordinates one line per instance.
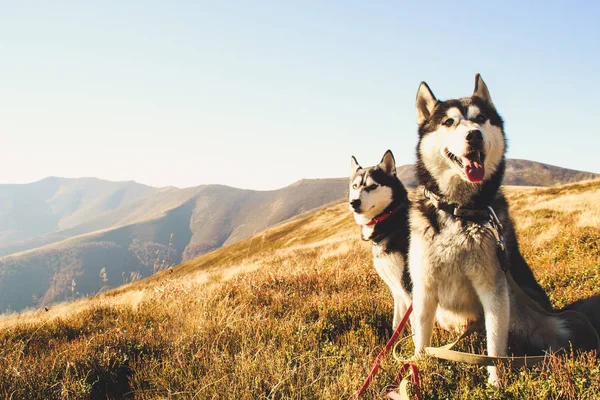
(259, 94)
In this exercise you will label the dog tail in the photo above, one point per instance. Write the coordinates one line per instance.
(581, 334)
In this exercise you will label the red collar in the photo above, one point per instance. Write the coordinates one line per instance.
(383, 217)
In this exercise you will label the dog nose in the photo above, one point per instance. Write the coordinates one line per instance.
(475, 138)
(355, 204)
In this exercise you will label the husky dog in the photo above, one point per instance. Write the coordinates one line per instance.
(453, 258)
(379, 203)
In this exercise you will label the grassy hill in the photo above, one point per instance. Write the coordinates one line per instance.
(294, 312)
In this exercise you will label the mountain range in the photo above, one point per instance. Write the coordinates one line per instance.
(64, 238)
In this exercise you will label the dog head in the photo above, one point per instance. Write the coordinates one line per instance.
(372, 190)
(460, 140)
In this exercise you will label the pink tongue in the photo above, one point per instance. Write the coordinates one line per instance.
(474, 170)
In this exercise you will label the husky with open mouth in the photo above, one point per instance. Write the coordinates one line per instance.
(453, 257)
(379, 203)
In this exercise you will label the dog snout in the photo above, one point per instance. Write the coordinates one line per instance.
(355, 204)
(475, 138)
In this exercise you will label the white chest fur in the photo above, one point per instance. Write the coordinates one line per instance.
(390, 267)
(451, 263)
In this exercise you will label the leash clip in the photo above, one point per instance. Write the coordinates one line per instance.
(496, 228)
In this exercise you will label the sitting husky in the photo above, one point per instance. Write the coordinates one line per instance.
(454, 261)
(380, 205)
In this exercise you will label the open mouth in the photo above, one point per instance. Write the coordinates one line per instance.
(470, 164)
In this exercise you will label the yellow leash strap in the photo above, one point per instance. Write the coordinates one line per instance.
(446, 353)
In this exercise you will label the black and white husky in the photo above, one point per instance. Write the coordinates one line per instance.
(379, 203)
(453, 259)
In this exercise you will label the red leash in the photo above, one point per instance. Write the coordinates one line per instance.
(382, 353)
(393, 395)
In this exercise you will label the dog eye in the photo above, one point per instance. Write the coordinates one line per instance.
(371, 187)
(480, 119)
(448, 122)
(355, 186)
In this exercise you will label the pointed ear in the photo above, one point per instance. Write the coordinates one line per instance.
(355, 165)
(388, 164)
(481, 90)
(426, 101)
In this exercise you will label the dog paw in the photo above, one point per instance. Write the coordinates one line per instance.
(493, 379)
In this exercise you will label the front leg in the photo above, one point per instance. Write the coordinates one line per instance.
(400, 307)
(425, 304)
(424, 295)
(494, 298)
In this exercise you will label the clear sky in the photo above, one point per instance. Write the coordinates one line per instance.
(259, 94)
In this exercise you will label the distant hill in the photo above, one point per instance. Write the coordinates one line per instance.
(531, 173)
(58, 230)
(54, 204)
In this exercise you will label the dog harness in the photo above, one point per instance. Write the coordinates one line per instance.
(456, 210)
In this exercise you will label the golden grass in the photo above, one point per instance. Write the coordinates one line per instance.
(297, 312)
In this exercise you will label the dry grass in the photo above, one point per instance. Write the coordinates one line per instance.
(297, 313)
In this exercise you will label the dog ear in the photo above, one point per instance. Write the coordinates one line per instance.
(388, 164)
(426, 101)
(481, 90)
(355, 165)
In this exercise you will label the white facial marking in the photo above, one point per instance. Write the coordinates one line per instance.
(454, 113)
(452, 138)
(354, 189)
(373, 203)
(374, 198)
(472, 112)
(495, 147)
(456, 137)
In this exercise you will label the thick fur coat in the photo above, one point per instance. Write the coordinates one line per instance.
(453, 260)
(379, 204)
